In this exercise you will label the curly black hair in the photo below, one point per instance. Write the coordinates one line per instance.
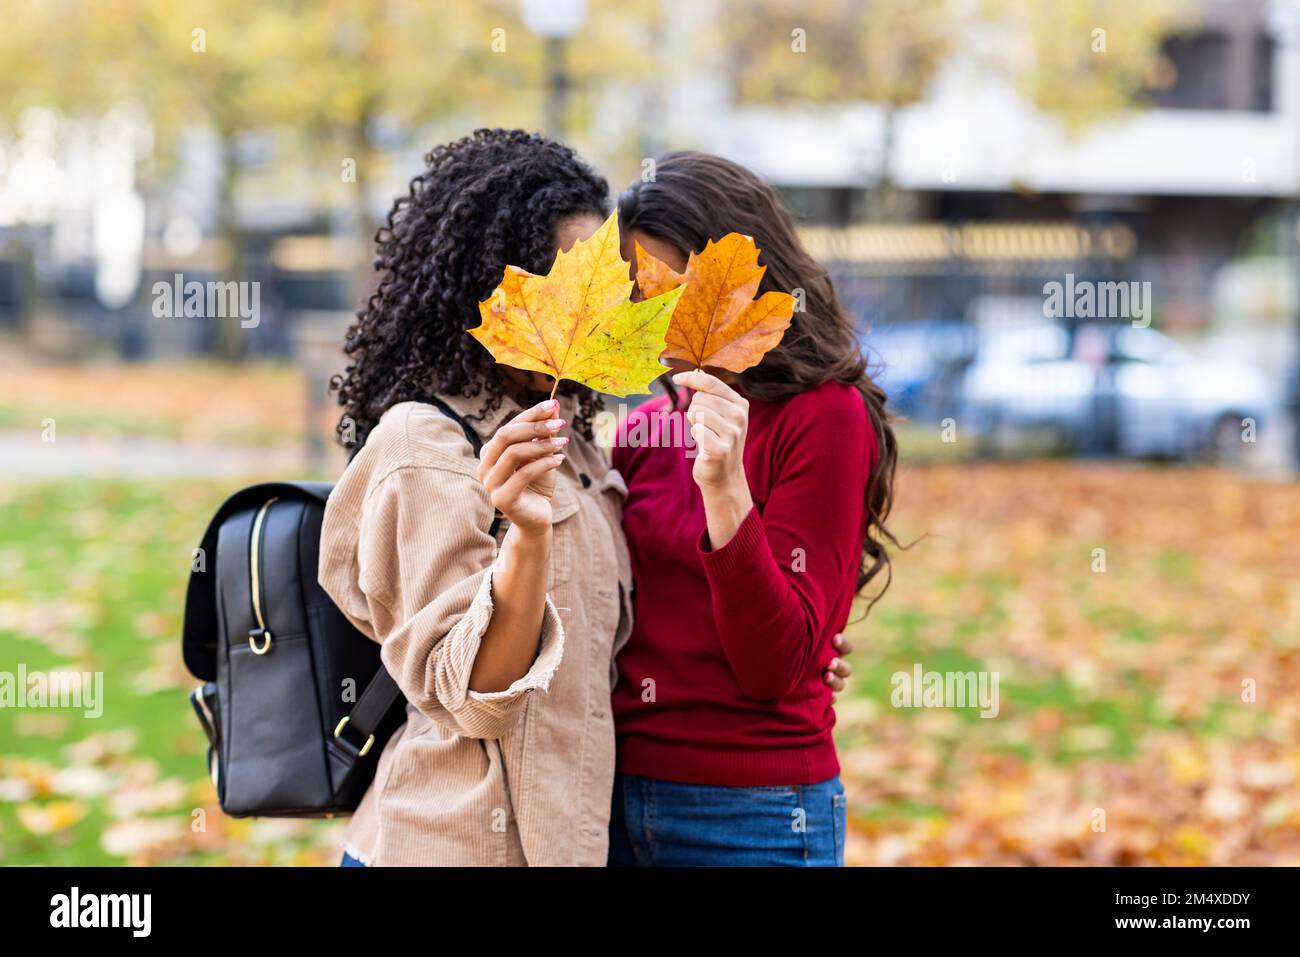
(491, 199)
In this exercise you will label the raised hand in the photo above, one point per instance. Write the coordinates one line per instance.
(517, 466)
(719, 417)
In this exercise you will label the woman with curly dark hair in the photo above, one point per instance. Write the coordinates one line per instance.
(497, 197)
(476, 615)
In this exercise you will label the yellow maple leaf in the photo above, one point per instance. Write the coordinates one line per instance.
(718, 322)
(578, 321)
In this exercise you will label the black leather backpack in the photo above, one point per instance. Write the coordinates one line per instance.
(296, 704)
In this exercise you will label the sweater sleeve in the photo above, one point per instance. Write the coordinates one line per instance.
(776, 583)
(426, 570)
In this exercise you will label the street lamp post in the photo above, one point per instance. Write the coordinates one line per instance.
(555, 21)
(557, 87)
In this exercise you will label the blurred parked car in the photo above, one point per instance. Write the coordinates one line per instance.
(1111, 389)
(920, 365)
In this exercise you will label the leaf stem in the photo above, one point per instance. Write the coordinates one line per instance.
(554, 388)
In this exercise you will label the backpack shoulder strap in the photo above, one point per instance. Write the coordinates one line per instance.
(475, 443)
(471, 436)
(375, 703)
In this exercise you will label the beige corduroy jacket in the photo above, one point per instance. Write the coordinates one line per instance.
(521, 776)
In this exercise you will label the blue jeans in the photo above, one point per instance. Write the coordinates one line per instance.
(664, 824)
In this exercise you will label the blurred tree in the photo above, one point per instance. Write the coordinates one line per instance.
(313, 77)
(888, 52)
(359, 64)
(318, 80)
(1085, 60)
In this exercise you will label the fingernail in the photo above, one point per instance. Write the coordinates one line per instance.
(555, 424)
(559, 442)
(835, 663)
(559, 458)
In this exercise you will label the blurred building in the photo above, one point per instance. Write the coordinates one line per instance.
(1181, 188)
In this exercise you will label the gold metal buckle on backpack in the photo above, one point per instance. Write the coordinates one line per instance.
(370, 741)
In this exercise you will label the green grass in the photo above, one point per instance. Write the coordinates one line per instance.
(925, 443)
(79, 421)
(94, 578)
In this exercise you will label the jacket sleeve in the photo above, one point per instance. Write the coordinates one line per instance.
(425, 570)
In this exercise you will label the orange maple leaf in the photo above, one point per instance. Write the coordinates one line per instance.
(718, 322)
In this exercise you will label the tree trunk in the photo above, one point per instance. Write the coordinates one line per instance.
(882, 203)
(230, 341)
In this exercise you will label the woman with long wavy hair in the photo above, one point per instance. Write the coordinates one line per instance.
(748, 550)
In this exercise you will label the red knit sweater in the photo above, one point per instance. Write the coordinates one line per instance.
(721, 680)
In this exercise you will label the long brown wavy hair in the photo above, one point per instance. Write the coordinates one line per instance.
(694, 198)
